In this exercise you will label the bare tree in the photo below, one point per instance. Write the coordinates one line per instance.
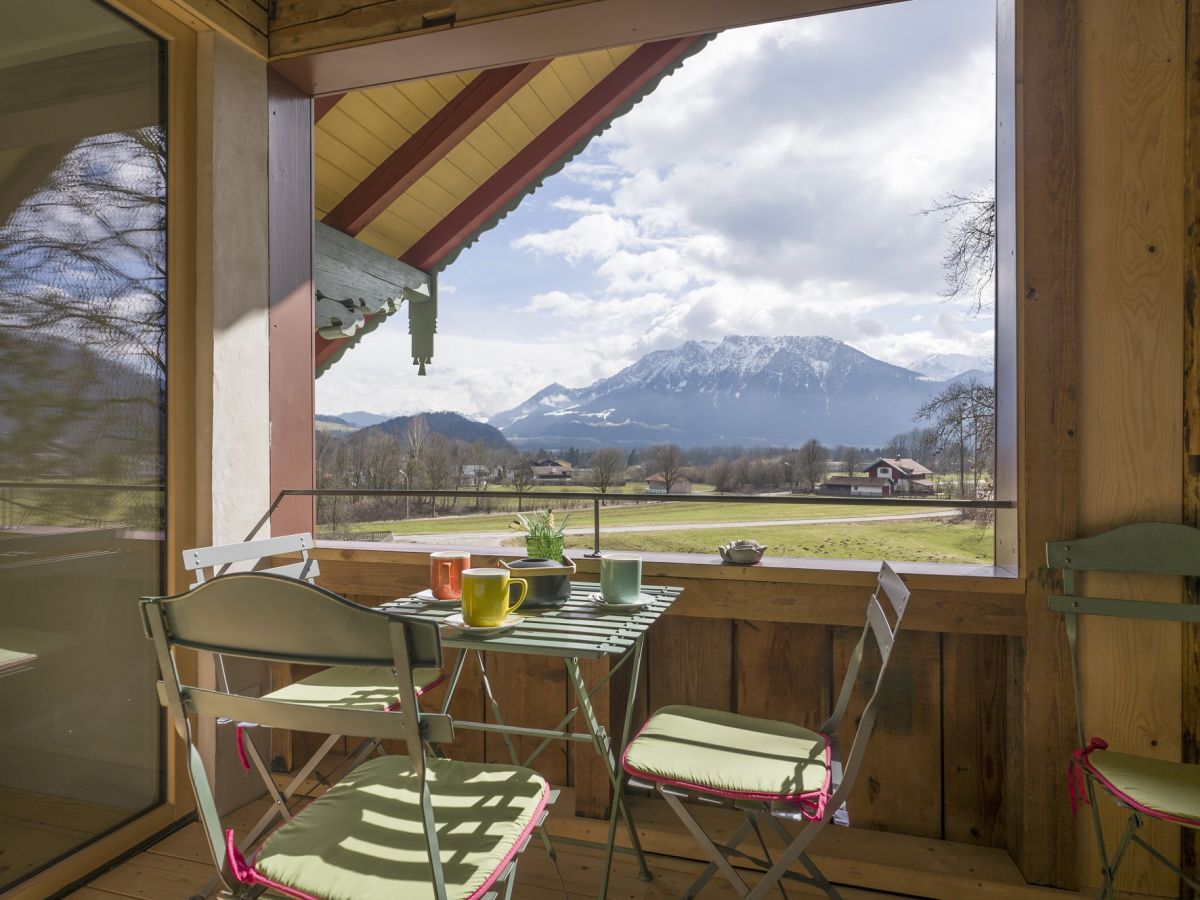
(852, 458)
(969, 263)
(416, 433)
(522, 477)
(721, 477)
(438, 464)
(964, 422)
(607, 466)
(668, 460)
(809, 464)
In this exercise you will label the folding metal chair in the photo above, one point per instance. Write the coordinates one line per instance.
(768, 770)
(396, 826)
(338, 687)
(1147, 787)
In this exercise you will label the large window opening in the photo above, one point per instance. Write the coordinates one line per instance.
(82, 424)
(773, 276)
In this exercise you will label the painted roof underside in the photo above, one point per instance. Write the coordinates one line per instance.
(359, 133)
(355, 138)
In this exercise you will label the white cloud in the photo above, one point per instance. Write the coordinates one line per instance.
(772, 185)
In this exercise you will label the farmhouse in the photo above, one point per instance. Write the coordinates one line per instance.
(906, 475)
(857, 486)
(552, 470)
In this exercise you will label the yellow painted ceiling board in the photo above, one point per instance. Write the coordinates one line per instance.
(473, 164)
(573, 75)
(425, 203)
(388, 128)
(450, 178)
(356, 137)
(597, 63)
(491, 143)
(450, 85)
(618, 55)
(392, 235)
(396, 104)
(532, 109)
(423, 95)
(509, 126)
(548, 88)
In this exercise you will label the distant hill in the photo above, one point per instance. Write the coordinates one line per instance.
(361, 419)
(954, 366)
(741, 391)
(334, 423)
(447, 424)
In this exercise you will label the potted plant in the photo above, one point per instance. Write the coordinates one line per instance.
(543, 536)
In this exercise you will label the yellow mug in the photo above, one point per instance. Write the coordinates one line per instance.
(485, 596)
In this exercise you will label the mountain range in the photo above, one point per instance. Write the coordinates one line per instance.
(448, 424)
(742, 390)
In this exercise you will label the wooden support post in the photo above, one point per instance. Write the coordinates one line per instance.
(292, 403)
(1036, 201)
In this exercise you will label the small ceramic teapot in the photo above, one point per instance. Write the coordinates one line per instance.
(744, 553)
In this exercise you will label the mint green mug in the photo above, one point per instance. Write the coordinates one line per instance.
(620, 578)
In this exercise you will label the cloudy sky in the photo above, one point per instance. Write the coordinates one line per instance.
(772, 185)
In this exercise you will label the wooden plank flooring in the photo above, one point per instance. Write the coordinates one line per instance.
(175, 869)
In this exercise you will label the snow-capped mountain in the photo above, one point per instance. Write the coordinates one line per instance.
(739, 391)
(951, 366)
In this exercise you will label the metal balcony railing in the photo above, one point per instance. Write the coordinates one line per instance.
(597, 499)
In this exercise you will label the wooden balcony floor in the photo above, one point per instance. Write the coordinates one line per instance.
(176, 867)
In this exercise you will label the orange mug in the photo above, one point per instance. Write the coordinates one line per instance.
(445, 573)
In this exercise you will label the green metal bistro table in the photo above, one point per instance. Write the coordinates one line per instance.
(578, 630)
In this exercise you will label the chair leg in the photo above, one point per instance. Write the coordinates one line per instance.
(711, 869)
(752, 819)
(707, 845)
(1106, 886)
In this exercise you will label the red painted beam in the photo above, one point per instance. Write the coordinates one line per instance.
(469, 108)
(322, 105)
(573, 126)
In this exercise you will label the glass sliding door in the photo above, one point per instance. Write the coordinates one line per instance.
(82, 423)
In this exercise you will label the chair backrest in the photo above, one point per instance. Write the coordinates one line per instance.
(880, 629)
(219, 558)
(273, 617)
(1148, 548)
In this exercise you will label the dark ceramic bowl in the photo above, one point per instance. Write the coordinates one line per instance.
(549, 582)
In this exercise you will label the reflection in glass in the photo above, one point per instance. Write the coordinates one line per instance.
(82, 423)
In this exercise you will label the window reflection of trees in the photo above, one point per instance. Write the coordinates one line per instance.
(83, 335)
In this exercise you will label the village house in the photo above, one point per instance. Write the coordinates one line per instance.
(885, 477)
(550, 470)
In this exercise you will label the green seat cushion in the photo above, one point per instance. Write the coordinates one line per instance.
(350, 687)
(733, 756)
(1158, 787)
(363, 838)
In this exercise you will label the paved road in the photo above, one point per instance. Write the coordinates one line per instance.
(493, 538)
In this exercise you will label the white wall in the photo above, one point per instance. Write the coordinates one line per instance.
(232, 291)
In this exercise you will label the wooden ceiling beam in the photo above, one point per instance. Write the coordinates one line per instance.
(322, 105)
(468, 109)
(326, 46)
(565, 133)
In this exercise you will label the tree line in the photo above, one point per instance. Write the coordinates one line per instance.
(955, 437)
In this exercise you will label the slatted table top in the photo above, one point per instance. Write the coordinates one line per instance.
(580, 629)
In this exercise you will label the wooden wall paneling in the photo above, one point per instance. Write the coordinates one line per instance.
(974, 738)
(1131, 268)
(899, 786)
(782, 671)
(1189, 848)
(691, 662)
(1037, 149)
(533, 691)
(586, 772)
(244, 21)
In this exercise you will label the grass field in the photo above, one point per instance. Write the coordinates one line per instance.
(919, 541)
